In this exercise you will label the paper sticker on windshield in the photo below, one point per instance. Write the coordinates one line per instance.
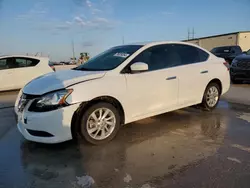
(123, 55)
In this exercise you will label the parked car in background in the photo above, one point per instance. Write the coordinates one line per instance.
(62, 63)
(240, 68)
(227, 52)
(57, 63)
(72, 62)
(124, 84)
(18, 70)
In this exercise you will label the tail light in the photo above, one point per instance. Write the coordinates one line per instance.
(53, 68)
(226, 65)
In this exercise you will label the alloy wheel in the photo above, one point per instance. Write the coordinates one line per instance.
(212, 96)
(101, 123)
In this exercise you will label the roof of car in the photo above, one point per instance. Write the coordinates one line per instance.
(24, 56)
(160, 42)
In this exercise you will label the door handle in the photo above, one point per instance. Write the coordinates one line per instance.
(171, 78)
(204, 72)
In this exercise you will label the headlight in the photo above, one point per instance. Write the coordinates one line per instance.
(234, 63)
(51, 101)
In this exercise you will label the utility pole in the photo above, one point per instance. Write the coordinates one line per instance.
(122, 39)
(191, 34)
(73, 49)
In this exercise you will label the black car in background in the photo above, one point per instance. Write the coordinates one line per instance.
(227, 52)
(240, 68)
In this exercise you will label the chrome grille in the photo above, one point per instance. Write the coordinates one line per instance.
(243, 64)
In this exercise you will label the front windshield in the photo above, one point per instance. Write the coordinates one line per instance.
(109, 59)
(248, 52)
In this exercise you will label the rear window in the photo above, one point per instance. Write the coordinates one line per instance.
(221, 50)
(25, 62)
(3, 64)
(191, 54)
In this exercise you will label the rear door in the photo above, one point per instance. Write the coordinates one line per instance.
(7, 77)
(26, 70)
(194, 74)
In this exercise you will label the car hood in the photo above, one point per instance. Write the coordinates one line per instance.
(243, 57)
(59, 80)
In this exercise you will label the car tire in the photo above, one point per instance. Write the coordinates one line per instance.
(100, 123)
(211, 97)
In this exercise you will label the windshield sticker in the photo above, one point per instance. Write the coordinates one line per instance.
(123, 55)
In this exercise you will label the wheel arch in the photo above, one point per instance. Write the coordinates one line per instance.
(217, 81)
(85, 105)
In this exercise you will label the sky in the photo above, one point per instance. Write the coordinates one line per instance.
(51, 27)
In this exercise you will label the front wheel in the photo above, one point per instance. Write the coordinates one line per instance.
(100, 123)
(211, 97)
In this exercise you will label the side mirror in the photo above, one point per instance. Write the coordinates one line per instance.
(139, 67)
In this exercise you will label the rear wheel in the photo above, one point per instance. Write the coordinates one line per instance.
(211, 97)
(100, 123)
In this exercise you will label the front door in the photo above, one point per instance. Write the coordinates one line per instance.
(154, 91)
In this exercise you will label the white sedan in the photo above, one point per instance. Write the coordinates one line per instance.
(18, 70)
(121, 85)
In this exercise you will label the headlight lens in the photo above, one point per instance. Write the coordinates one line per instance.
(51, 101)
(234, 63)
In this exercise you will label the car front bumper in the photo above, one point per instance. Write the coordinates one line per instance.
(47, 127)
(239, 74)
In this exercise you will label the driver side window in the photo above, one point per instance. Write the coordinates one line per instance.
(159, 57)
(154, 57)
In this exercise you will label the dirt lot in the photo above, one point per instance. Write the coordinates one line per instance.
(185, 148)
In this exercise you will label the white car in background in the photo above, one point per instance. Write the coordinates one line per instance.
(121, 85)
(18, 70)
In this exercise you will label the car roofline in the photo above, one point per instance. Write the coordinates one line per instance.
(153, 43)
(25, 56)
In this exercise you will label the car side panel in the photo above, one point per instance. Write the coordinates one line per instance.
(16, 78)
(7, 79)
(152, 91)
(219, 71)
(29, 73)
(193, 78)
(109, 85)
